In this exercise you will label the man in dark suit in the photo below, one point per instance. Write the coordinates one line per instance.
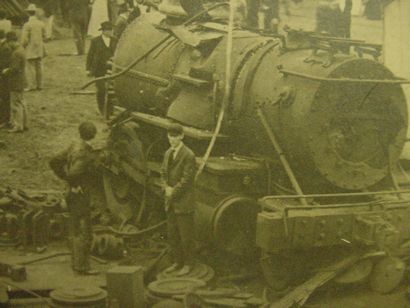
(15, 76)
(5, 53)
(101, 50)
(178, 174)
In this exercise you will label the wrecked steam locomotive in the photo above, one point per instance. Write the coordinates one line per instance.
(304, 160)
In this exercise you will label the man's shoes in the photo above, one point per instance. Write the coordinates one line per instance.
(15, 130)
(90, 272)
(40, 249)
(172, 268)
(184, 271)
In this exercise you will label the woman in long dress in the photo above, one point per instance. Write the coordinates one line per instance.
(99, 14)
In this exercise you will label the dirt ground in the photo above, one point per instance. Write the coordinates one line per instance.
(54, 114)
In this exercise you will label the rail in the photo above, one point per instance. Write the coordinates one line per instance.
(342, 80)
(356, 194)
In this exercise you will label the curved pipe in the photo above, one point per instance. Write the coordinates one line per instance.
(139, 59)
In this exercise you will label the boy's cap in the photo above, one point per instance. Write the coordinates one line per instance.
(175, 129)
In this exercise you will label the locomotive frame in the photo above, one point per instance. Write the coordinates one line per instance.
(248, 202)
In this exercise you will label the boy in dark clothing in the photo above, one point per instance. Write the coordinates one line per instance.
(75, 165)
(178, 175)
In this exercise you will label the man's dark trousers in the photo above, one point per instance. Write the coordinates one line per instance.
(180, 236)
(4, 102)
(78, 204)
(101, 93)
(80, 34)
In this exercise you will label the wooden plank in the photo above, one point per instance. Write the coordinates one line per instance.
(300, 295)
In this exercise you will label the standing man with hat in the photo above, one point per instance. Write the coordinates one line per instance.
(32, 39)
(101, 50)
(178, 175)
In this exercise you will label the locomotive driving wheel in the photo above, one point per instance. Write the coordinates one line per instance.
(124, 194)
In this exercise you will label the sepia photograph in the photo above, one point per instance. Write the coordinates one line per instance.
(204, 153)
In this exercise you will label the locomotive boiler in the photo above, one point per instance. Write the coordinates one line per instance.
(310, 136)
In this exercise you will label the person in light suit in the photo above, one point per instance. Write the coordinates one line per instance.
(178, 175)
(32, 39)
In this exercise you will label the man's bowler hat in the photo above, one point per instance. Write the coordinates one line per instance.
(106, 25)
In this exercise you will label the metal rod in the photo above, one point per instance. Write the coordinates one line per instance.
(345, 205)
(145, 76)
(385, 192)
(7, 284)
(131, 65)
(55, 255)
(282, 157)
(139, 232)
(343, 80)
(227, 90)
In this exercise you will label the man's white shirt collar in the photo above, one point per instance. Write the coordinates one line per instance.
(177, 149)
(106, 40)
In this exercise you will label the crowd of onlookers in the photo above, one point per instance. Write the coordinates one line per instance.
(20, 65)
(21, 56)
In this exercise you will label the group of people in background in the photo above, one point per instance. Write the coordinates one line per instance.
(20, 65)
(86, 17)
(21, 58)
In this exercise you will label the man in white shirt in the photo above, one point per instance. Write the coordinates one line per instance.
(32, 39)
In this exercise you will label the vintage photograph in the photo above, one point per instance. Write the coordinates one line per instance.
(204, 153)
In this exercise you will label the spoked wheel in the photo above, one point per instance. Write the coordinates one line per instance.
(387, 274)
(123, 195)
